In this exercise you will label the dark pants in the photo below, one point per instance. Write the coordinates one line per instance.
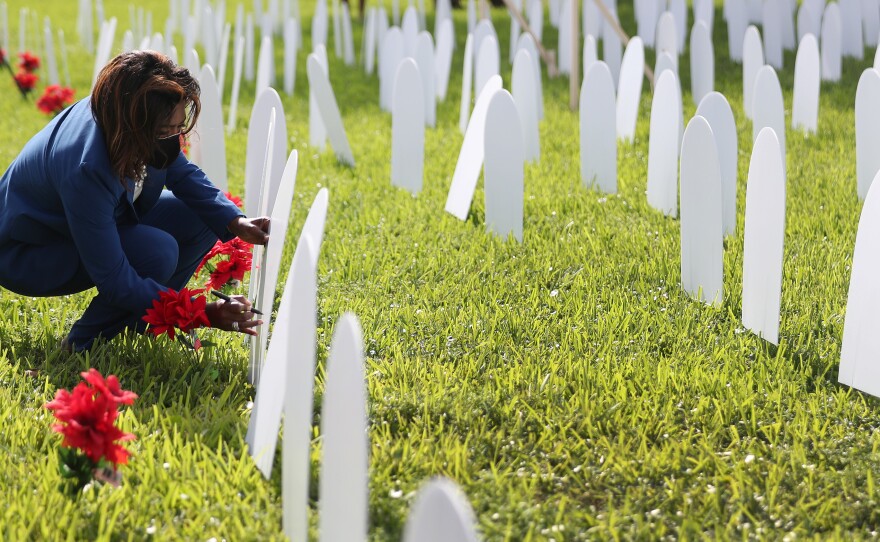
(166, 246)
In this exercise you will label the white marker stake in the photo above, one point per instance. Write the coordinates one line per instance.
(564, 38)
(249, 48)
(768, 107)
(701, 214)
(257, 142)
(319, 24)
(408, 128)
(390, 55)
(805, 101)
(236, 83)
(831, 43)
(425, 59)
(870, 22)
(736, 28)
(264, 65)
(665, 62)
(867, 130)
(483, 30)
(345, 446)
(611, 51)
(504, 152)
(851, 27)
(523, 87)
(667, 36)
(105, 44)
(805, 22)
(860, 348)
(679, 8)
(337, 30)
(410, 29)
(51, 63)
(441, 513)
(764, 238)
(702, 62)
(443, 59)
(590, 56)
(470, 159)
(63, 46)
(347, 36)
(466, 83)
(319, 85)
(290, 51)
(526, 42)
(717, 112)
(317, 129)
(210, 153)
(663, 143)
(598, 129)
(753, 60)
(488, 63)
(773, 34)
(629, 89)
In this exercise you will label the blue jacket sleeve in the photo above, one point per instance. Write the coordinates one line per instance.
(190, 184)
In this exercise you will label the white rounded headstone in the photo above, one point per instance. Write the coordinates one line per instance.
(768, 107)
(667, 36)
(258, 136)
(443, 59)
(390, 55)
(425, 59)
(805, 100)
(523, 90)
(717, 112)
(852, 44)
(664, 62)
(867, 130)
(503, 169)
(753, 61)
(319, 86)
(590, 56)
(211, 149)
(466, 83)
(737, 21)
(598, 142)
(488, 63)
(526, 41)
(773, 33)
(702, 62)
(441, 513)
(831, 43)
(408, 128)
(629, 91)
(663, 149)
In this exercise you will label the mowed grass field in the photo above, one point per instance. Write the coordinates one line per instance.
(567, 384)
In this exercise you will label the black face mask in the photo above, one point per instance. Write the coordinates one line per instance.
(167, 150)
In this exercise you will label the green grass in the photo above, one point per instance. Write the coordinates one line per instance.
(566, 383)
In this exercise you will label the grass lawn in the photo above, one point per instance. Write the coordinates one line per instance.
(567, 384)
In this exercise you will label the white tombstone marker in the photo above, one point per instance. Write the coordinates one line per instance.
(368, 48)
(647, 14)
(313, 228)
(523, 90)
(764, 238)
(319, 24)
(852, 42)
(443, 59)
(425, 59)
(408, 128)
(701, 214)
(664, 62)
(482, 31)
(592, 19)
(806, 24)
(470, 158)
(466, 84)
(105, 44)
(667, 36)
(612, 51)
(514, 31)
(317, 129)
(319, 86)
(223, 58)
(589, 55)
(564, 39)
(629, 89)
(663, 144)
(598, 129)
(717, 112)
(345, 446)
(787, 12)
(805, 100)
(768, 108)
(753, 61)
(831, 43)
(258, 139)
(441, 513)
(773, 33)
(290, 50)
(870, 22)
(488, 63)
(867, 130)
(390, 55)
(337, 30)
(249, 70)
(526, 42)
(410, 29)
(679, 10)
(208, 149)
(860, 348)
(702, 62)
(265, 78)
(504, 158)
(236, 83)
(737, 22)
(51, 62)
(704, 10)
(535, 12)
(64, 64)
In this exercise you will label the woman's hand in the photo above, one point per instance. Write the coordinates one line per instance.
(234, 316)
(251, 230)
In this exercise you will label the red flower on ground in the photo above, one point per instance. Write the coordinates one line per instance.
(28, 62)
(54, 99)
(177, 310)
(25, 81)
(87, 418)
(234, 199)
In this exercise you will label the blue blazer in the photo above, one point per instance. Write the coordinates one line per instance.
(61, 189)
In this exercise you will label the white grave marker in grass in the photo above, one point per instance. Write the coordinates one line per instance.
(867, 115)
(526, 42)
(425, 59)
(535, 11)
(390, 55)
(337, 30)
(860, 348)
(466, 83)
(870, 22)
(236, 83)
(410, 29)
(852, 42)
(702, 62)
(488, 63)
(753, 61)
(145, 45)
(395, 12)
(343, 486)
(764, 238)
(483, 30)
(504, 157)
(830, 43)
(408, 128)
(646, 20)
(629, 89)
(754, 10)
(663, 151)
(773, 33)
(787, 12)
(679, 10)
(564, 38)
(523, 89)
(589, 55)
(441, 513)
(806, 23)
(368, 52)
(470, 158)
(717, 112)
(157, 43)
(736, 28)
(382, 27)
(704, 10)
(664, 62)
(701, 214)
(51, 62)
(514, 31)
(805, 100)
(598, 129)
(64, 64)
(443, 59)
(592, 19)
(105, 44)
(319, 24)
(249, 71)
(319, 86)
(768, 107)
(208, 149)
(555, 6)
(265, 68)
(192, 62)
(667, 37)
(612, 51)
(257, 142)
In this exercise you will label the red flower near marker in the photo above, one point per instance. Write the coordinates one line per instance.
(54, 99)
(238, 252)
(234, 268)
(2, 55)
(28, 61)
(234, 199)
(25, 81)
(183, 310)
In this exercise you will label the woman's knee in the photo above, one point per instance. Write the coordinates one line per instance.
(153, 253)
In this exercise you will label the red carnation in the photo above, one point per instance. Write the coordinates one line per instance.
(2, 55)
(25, 81)
(28, 62)
(234, 199)
(177, 310)
(54, 99)
(232, 248)
(234, 268)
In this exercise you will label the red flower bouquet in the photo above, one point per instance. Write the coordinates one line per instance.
(234, 199)
(28, 61)
(87, 420)
(25, 81)
(233, 268)
(183, 310)
(54, 99)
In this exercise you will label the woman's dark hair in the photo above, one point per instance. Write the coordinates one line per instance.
(133, 98)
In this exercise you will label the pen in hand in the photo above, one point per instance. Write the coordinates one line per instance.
(228, 299)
